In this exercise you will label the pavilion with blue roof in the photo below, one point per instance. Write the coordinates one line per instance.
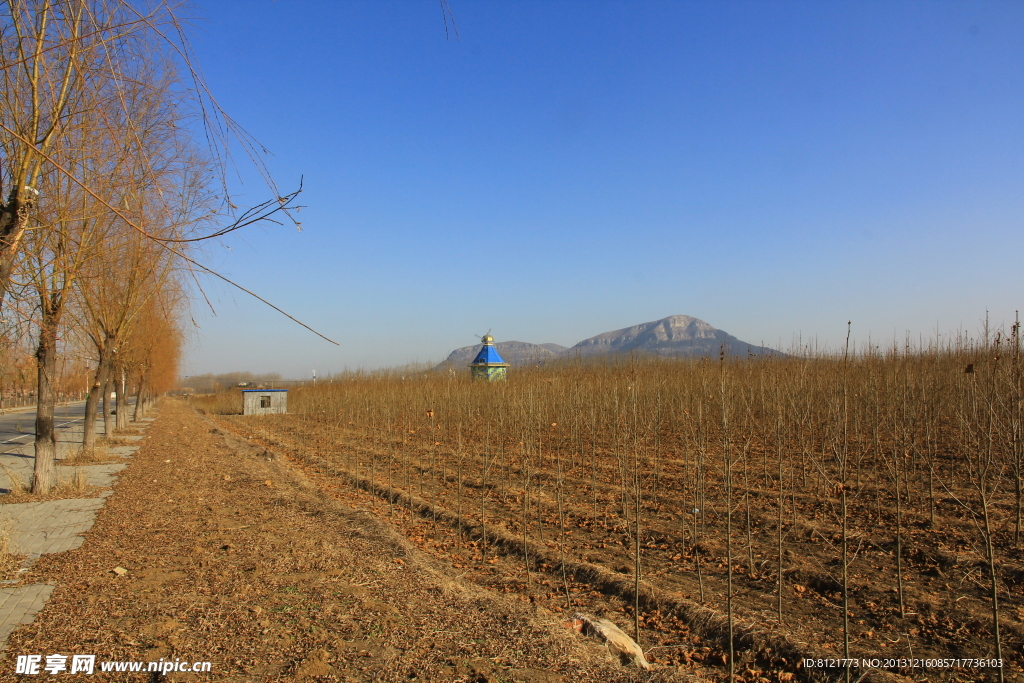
(488, 364)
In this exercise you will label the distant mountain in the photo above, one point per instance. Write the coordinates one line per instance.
(513, 352)
(676, 335)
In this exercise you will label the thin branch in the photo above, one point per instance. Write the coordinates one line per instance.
(158, 240)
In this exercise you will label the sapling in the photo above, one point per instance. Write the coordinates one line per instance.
(727, 461)
(461, 454)
(986, 482)
(526, 517)
(485, 469)
(1016, 431)
(389, 435)
(637, 512)
(593, 457)
(700, 501)
(781, 499)
(844, 457)
(561, 531)
(746, 502)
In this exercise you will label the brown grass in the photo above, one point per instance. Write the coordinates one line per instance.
(73, 486)
(10, 562)
(227, 402)
(96, 455)
(112, 441)
(18, 484)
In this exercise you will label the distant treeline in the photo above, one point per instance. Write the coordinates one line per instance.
(211, 382)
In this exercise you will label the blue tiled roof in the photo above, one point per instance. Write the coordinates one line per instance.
(488, 354)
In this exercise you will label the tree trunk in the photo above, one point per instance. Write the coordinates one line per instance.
(108, 424)
(45, 474)
(140, 399)
(122, 399)
(92, 403)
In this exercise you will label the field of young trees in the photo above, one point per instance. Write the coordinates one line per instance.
(861, 505)
(112, 160)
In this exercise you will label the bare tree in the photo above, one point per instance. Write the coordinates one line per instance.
(54, 252)
(55, 56)
(106, 194)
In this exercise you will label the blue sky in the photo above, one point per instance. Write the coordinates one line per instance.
(569, 168)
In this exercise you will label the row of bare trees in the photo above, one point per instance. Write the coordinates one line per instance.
(106, 195)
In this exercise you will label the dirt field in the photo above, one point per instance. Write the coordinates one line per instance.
(237, 557)
(501, 482)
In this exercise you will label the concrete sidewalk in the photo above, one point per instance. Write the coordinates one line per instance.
(54, 526)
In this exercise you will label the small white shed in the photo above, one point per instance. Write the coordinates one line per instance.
(264, 401)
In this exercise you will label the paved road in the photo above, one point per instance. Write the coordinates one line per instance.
(18, 428)
(17, 439)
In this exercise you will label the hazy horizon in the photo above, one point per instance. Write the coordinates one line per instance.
(797, 347)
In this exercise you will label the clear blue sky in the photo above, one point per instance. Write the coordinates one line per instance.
(569, 168)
